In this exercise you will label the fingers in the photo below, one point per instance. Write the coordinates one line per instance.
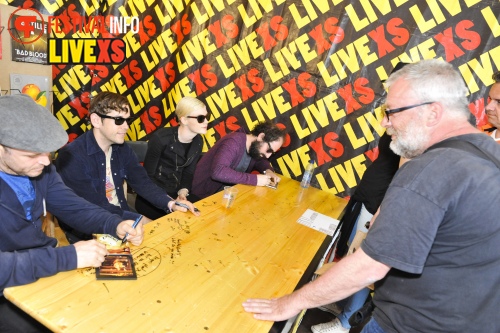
(274, 177)
(180, 209)
(187, 205)
(262, 180)
(195, 212)
(261, 308)
(90, 253)
(136, 236)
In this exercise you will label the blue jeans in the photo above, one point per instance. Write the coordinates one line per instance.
(363, 217)
(352, 304)
(372, 327)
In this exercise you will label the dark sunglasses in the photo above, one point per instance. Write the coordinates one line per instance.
(270, 150)
(200, 119)
(118, 120)
(404, 108)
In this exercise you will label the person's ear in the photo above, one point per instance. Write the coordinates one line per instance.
(95, 120)
(261, 136)
(183, 120)
(435, 114)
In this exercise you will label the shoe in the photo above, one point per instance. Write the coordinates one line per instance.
(334, 326)
(333, 308)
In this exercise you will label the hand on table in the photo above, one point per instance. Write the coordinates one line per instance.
(184, 209)
(275, 179)
(89, 253)
(268, 178)
(275, 309)
(135, 235)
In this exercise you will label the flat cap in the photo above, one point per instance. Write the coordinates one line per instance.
(29, 126)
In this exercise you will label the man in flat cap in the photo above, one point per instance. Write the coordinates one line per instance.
(30, 186)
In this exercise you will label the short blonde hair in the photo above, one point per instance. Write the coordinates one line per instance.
(186, 105)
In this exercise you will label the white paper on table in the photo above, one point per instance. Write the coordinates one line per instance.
(320, 222)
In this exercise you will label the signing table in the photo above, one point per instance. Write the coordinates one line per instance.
(193, 272)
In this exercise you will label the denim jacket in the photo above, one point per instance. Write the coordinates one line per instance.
(82, 165)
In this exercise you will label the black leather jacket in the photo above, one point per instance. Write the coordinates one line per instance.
(166, 161)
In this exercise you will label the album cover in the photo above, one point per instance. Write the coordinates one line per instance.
(119, 263)
(117, 267)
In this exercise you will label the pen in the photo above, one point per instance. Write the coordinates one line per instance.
(180, 204)
(136, 222)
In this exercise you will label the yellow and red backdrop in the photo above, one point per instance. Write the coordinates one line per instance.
(313, 66)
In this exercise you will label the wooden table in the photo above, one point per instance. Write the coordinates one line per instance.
(193, 272)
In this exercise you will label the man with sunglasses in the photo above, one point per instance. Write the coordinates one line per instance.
(434, 249)
(173, 153)
(29, 188)
(98, 162)
(232, 159)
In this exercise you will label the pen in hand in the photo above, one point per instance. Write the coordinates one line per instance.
(136, 222)
(180, 204)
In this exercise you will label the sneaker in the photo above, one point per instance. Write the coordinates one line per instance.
(334, 326)
(333, 308)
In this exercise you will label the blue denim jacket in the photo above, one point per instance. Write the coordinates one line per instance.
(82, 166)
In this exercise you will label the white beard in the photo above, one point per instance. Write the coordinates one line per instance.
(409, 143)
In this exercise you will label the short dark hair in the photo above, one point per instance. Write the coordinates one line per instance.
(105, 102)
(496, 77)
(271, 131)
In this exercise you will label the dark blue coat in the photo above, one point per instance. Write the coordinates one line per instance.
(82, 165)
(26, 253)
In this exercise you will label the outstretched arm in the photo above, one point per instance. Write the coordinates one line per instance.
(343, 279)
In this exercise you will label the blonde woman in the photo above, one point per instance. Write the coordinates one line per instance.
(173, 153)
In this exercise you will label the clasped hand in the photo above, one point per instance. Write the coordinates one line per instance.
(268, 178)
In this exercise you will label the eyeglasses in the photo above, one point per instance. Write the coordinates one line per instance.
(200, 119)
(270, 150)
(118, 120)
(404, 108)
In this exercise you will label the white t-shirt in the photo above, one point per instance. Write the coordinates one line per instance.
(493, 135)
(110, 183)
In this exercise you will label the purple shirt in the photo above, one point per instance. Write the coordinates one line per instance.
(217, 167)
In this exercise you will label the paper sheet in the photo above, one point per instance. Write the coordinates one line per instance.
(320, 222)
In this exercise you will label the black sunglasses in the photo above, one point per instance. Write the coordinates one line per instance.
(118, 120)
(404, 108)
(270, 150)
(200, 119)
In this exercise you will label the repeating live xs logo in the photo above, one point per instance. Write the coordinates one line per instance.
(75, 50)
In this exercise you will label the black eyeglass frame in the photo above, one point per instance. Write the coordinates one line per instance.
(200, 119)
(404, 108)
(270, 150)
(118, 120)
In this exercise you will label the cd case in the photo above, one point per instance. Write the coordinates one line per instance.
(274, 186)
(117, 265)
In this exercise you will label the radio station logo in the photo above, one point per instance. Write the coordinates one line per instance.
(86, 51)
(57, 34)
